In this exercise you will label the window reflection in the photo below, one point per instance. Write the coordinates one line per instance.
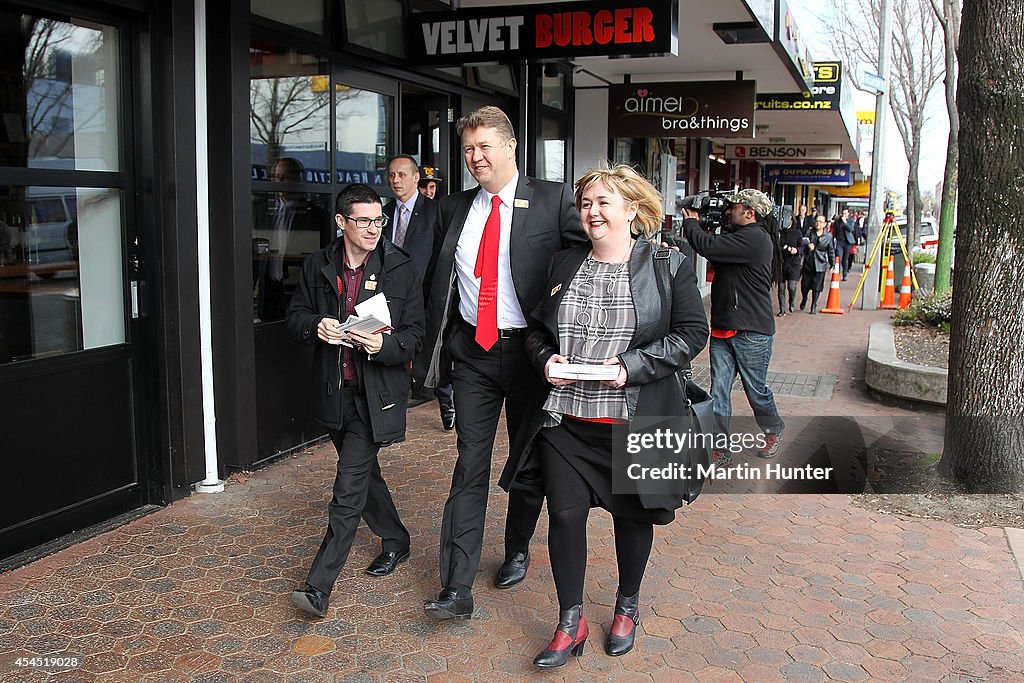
(60, 93)
(60, 271)
(287, 227)
(364, 120)
(288, 113)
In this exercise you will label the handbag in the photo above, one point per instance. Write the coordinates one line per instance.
(698, 402)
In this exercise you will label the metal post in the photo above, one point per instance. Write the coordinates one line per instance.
(876, 205)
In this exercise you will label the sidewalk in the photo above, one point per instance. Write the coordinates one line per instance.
(751, 588)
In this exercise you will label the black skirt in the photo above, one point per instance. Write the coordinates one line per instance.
(576, 461)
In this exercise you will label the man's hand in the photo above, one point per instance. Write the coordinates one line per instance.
(371, 343)
(327, 330)
(690, 213)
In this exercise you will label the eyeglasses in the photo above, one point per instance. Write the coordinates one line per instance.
(364, 223)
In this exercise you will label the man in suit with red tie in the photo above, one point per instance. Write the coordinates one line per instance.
(486, 276)
(412, 224)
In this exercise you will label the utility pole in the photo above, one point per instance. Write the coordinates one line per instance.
(876, 205)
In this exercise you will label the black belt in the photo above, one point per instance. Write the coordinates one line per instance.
(509, 333)
(350, 383)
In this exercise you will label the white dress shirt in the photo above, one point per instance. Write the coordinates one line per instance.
(510, 315)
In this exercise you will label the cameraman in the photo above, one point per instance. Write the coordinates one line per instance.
(742, 324)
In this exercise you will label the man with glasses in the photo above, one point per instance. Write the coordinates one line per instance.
(360, 381)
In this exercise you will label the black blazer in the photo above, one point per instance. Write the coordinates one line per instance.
(666, 339)
(385, 378)
(544, 221)
(419, 236)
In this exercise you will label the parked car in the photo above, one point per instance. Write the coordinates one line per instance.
(929, 237)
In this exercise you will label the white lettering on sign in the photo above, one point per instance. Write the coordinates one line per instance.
(809, 152)
(490, 34)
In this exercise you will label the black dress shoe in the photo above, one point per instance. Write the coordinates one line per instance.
(449, 606)
(310, 600)
(386, 562)
(513, 571)
(448, 420)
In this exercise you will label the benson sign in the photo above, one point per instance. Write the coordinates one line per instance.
(569, 29)
(785, 152)
(719, 109)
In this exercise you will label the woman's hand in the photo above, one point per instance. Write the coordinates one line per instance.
(558, 382)
(371, 343)
(619, 381)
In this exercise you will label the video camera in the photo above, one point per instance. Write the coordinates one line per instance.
(710, 206)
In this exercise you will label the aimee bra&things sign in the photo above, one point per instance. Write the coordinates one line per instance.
(720, 109)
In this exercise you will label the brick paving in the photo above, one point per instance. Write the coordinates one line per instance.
(751, 588)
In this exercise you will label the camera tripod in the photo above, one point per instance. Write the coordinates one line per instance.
(883, 243)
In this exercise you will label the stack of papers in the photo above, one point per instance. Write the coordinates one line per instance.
(372, 316)
(583, 371)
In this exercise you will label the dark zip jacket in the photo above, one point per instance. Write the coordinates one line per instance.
(741, 291)
(385, 377)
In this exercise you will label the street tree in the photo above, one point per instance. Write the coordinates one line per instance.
(984, 438)
(947, 13)
(916, 67)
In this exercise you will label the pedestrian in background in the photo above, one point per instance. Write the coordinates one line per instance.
(791, 242)
(744, 256)
(819, 255)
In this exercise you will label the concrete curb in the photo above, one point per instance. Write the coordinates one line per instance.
(888, 374)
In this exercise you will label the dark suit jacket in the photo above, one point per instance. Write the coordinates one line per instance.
(419, 236)
(544, 221)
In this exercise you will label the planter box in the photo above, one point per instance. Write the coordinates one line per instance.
(925, 273)
(887, 374)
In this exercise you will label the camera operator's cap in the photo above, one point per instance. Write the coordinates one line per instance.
(430, 173)
(755, 199)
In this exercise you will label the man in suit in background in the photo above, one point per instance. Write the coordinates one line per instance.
(412, 224)
(486, 277)
(845, 232)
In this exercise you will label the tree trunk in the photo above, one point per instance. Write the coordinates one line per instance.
(984, 440)
(950, 22)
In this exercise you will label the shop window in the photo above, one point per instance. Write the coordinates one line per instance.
(61, 273)
(376, 25)
(287, 227)
(61, 94)
(289, 113)
(307, 15)
(497, 76)
(552, 90)
(364, 121)
(551, 155)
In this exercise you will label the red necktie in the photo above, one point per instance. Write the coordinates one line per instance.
(487, 270)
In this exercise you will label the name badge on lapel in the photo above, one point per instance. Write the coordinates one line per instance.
(556, 289)
(521, 204)
(371, 284)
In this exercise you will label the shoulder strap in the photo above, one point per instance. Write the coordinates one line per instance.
(666, 270)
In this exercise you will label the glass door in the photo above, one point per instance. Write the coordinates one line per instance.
(70, 274)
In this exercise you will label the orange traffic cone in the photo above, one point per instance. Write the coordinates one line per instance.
(833, 305)
(905, 293)
(889, 299)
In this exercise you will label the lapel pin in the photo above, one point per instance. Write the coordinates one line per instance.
(555, 289)
(521, 203)
(370, 285)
